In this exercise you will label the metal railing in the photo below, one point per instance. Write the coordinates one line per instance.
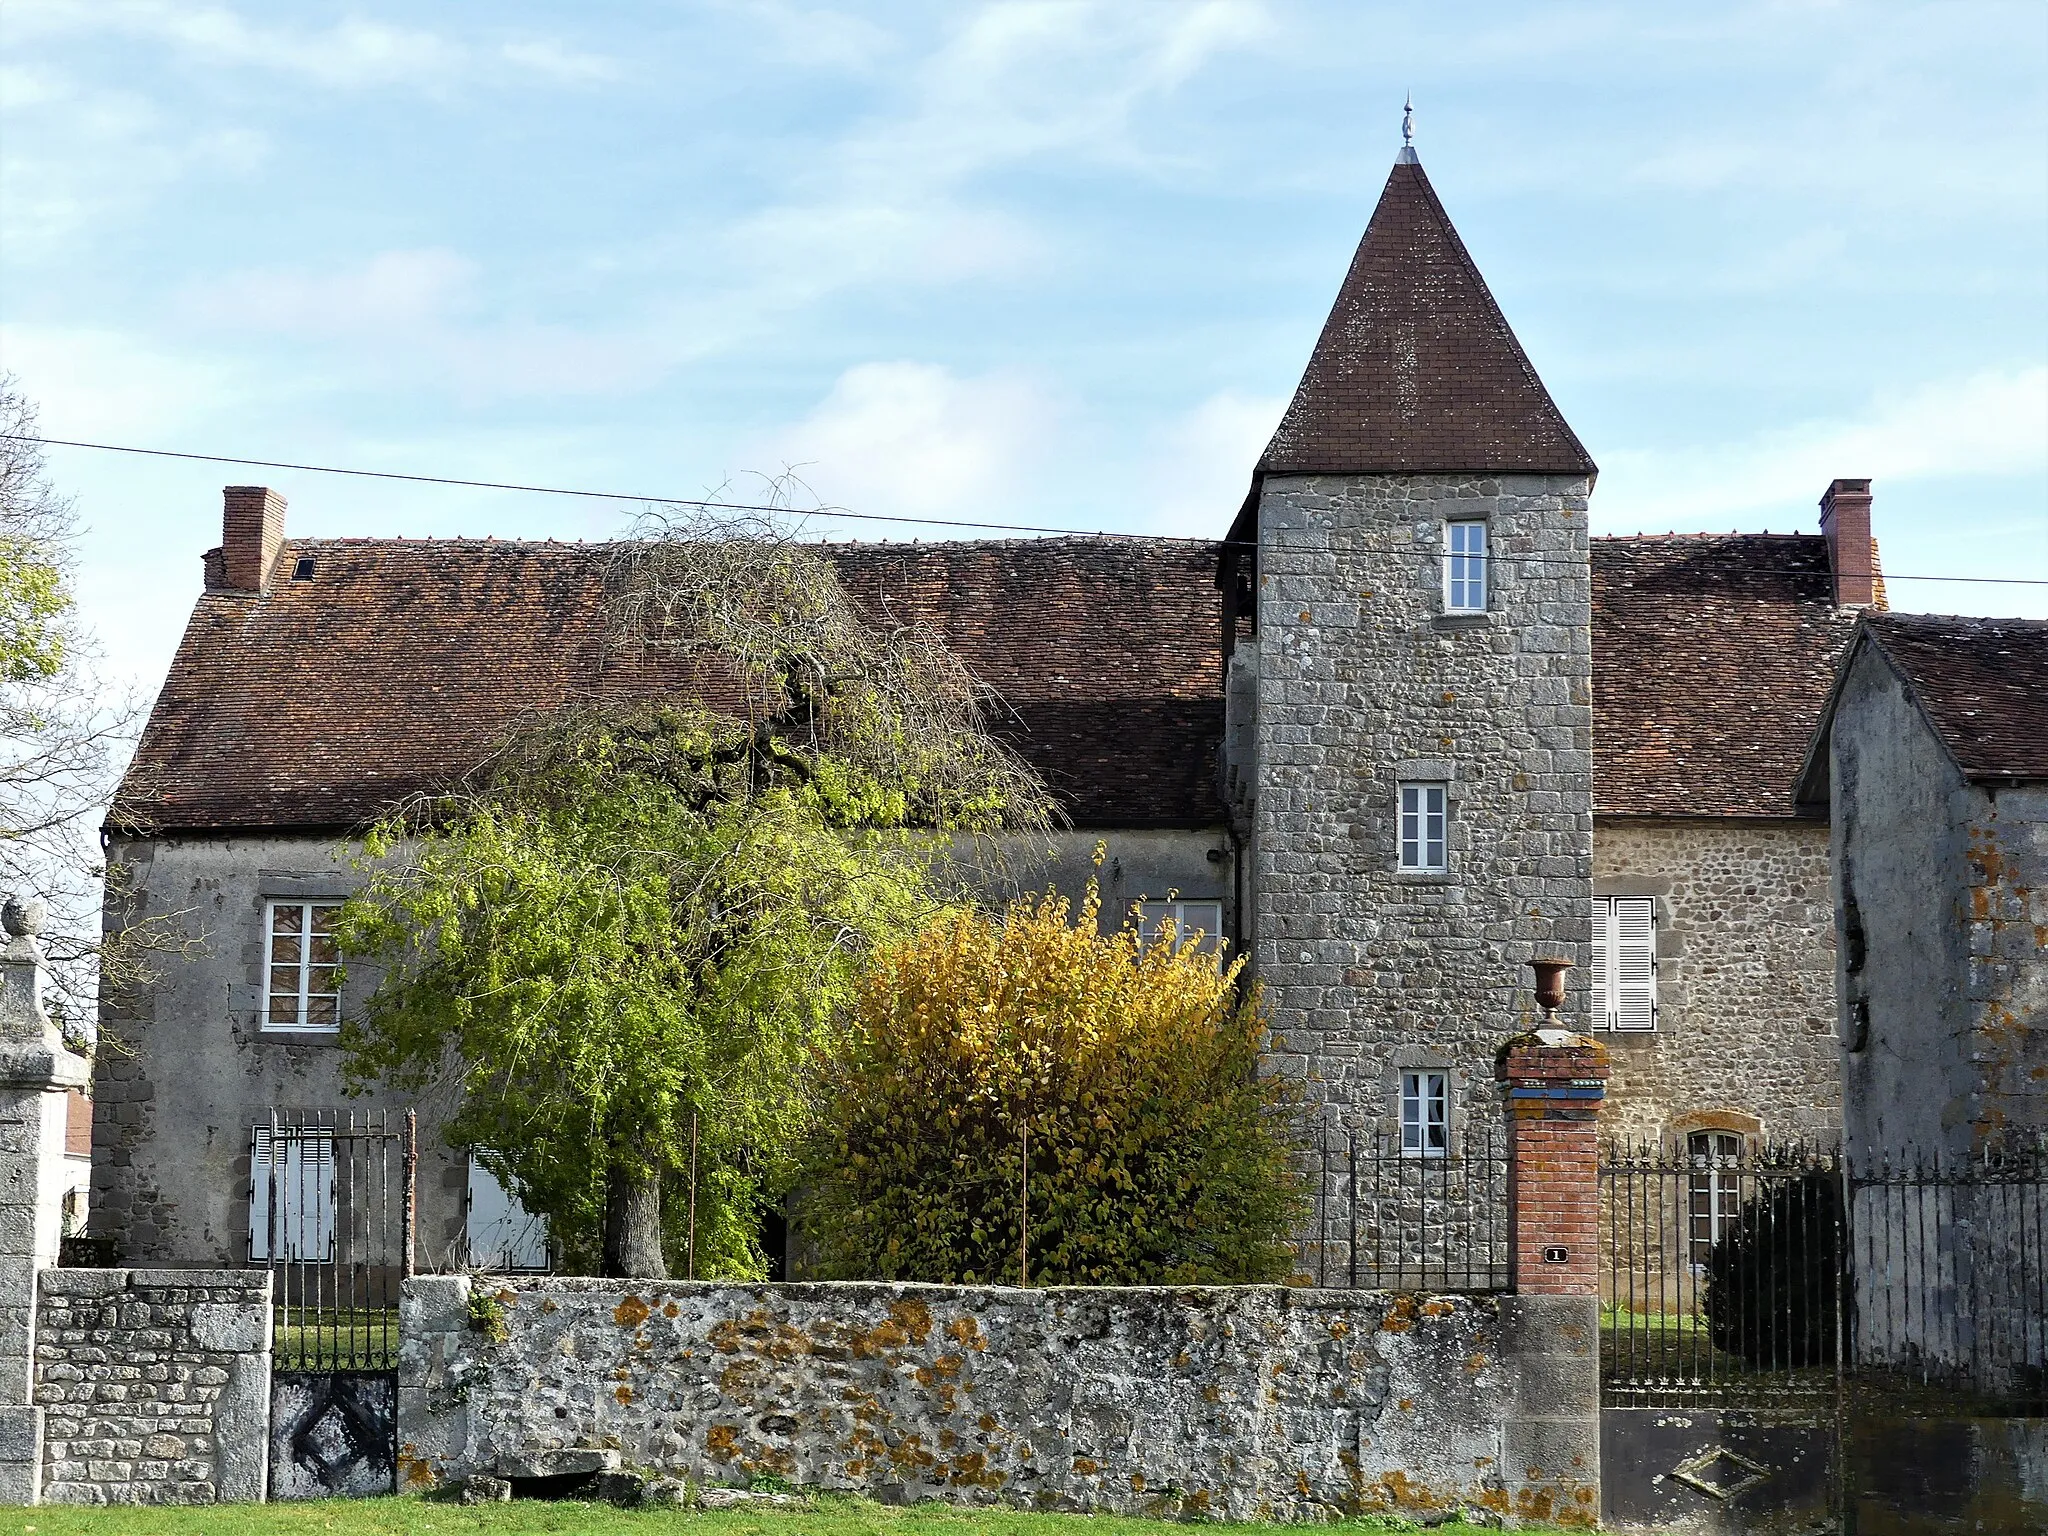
(1735, 1274)
(1720, 1268)
(1948, 1276)
(1387, 1217)
(332, 1216)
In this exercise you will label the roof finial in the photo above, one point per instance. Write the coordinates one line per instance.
(1407, 156)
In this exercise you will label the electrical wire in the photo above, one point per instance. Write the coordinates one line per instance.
(866, 517)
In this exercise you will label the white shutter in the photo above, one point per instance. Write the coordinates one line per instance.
(1601, 1003)
(1635, 962)
(300, 1168)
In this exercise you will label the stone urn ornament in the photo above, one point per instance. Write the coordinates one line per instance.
(1550, 984)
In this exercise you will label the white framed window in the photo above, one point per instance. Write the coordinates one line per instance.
(1624, 962)
(502, 1234)
(1465, 567)
(1425, 1114)
(1424, 819)
(1714, 1194)
(291, 1195)
(302, 966)
(1180, 922)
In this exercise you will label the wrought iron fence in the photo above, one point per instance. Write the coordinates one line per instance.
(1720, 1271)
(1948, 1276)
(332, 1216)
(1390, 1216)
(1734, 1273)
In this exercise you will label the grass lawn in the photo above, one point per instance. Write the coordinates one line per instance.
(411, 1517)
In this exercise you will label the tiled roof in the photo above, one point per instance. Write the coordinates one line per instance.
(1712, 660)
(1979, 681)
(1416, 370)
(322, 702)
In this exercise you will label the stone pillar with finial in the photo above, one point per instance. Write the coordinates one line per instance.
(36, 1072)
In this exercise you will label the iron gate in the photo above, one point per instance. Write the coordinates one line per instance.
(1762, 1306)
(332, 1215)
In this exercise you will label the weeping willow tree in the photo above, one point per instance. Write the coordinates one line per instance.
(627, 936)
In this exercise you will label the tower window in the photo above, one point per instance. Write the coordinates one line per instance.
(1425, 1114)
(1465, 567)
(1423, 820)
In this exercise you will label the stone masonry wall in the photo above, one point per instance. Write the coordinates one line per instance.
(1242, 1402)
(1363, 682)
(155, 1385)
(1745, 979)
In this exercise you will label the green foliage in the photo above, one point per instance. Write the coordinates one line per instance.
(1157, 1152)
(35, 598)
(487, 1316)
(639, 919)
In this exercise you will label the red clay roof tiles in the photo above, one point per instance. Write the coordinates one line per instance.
(1712, 659)
(322, 702)
(1979, 681)
(1416, 370)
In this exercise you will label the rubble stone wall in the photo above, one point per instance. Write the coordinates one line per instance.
(1745, 979)
(1239, 1402)
(154, 1385)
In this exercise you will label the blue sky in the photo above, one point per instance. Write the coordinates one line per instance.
(1050, 262)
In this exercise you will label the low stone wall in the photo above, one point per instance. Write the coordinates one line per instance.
(1251, 1402)
(154, 1384)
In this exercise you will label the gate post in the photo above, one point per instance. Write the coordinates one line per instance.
(1555, 1083)
(36, 1071)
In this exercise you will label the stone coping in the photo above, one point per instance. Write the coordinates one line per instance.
(106, 1282)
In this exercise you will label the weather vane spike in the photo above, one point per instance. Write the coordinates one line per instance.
(1408, 122)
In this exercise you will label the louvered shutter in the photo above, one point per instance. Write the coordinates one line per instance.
(1634, 963)
(1602, 1001)
(298, 1168)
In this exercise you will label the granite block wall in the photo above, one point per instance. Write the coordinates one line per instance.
(1745, 1035)
(154, 1385)
(1365, 681)
(1241, 1402)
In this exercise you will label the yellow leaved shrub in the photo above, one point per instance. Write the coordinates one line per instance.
(1123, 1078)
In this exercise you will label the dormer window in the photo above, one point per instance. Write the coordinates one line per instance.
(1465, 567)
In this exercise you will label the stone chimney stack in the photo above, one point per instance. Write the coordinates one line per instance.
(1845, 519)
(252, 531)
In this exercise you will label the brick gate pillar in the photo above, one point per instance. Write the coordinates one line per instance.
(1555, 1082)
(36, 1072)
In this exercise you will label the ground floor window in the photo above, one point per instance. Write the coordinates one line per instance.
(501, 1232)
(1180, 922)
(1425, 1114)
(291, 1196)
(1714, 1193)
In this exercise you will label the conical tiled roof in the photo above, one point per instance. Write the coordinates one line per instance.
(1416, 370)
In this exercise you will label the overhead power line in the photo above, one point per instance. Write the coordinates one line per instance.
(831, 512)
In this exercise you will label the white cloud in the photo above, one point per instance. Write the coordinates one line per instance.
(1203, 463)
(393, 291)
(818, 38)
(1989, 423)
(560, 61)
(916, 439)
(1014, 82)
(107, 386)
(71, 153)
(355, 52)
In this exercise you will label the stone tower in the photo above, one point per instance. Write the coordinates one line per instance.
(1410, 723)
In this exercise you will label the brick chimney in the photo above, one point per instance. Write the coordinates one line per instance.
(252, 530)
(1845, 519)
